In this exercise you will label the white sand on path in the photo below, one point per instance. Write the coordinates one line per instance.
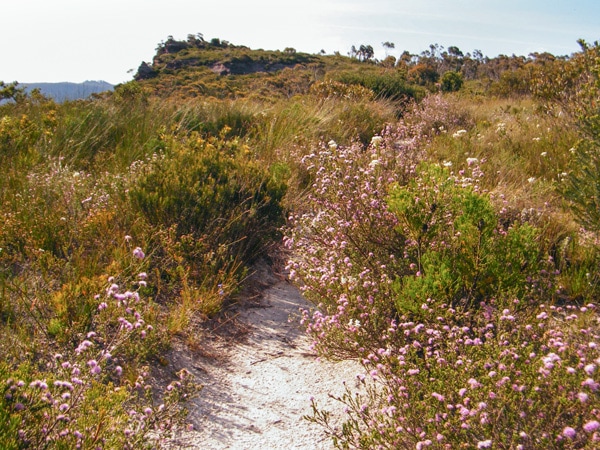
(255, 397)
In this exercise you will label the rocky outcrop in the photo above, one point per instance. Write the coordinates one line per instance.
(246, 67)
(145, 72)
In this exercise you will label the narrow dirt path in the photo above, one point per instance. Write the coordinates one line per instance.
(255, 397)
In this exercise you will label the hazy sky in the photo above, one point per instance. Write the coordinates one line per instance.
(77, 40)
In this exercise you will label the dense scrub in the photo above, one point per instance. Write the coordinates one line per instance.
(121, 229)
(457, 279)
(448, 241)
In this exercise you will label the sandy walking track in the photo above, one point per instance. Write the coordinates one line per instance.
(255, 397)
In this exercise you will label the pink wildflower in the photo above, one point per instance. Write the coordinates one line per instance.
(437, 396)
(591, 426)
(474, 383)
(592, 384)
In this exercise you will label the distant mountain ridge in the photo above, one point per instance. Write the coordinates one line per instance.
(64, 91)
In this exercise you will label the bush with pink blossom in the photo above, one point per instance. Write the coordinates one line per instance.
(453, 309)
(95, 393)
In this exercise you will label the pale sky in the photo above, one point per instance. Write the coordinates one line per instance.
(78, 40)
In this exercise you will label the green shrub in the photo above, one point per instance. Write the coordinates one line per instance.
(583, 182)
(458, 252)
(332, 89)
(451, 81)
(391, 86)
(217, 201)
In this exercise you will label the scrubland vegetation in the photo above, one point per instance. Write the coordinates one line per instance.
(441, 211)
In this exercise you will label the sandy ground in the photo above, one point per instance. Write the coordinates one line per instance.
(255, 395)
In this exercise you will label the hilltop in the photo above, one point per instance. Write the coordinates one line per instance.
(217, 68)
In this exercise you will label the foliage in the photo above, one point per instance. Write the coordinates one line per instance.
(74, 178)
(583, 189)
(12, 92)
(363, 52)
(331, 88)
(345, 237)
(507, 378)
(423, 75)
(451, 81)
(392, 86)
(459, 252)
(469, 297)
(91, 395)
(225, 208)
(448, 299)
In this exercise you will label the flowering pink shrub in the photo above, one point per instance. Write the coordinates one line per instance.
(91, 396)
(363, 256)
(435, 114)
(414, 272)
(345, 240)
(516, 378)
